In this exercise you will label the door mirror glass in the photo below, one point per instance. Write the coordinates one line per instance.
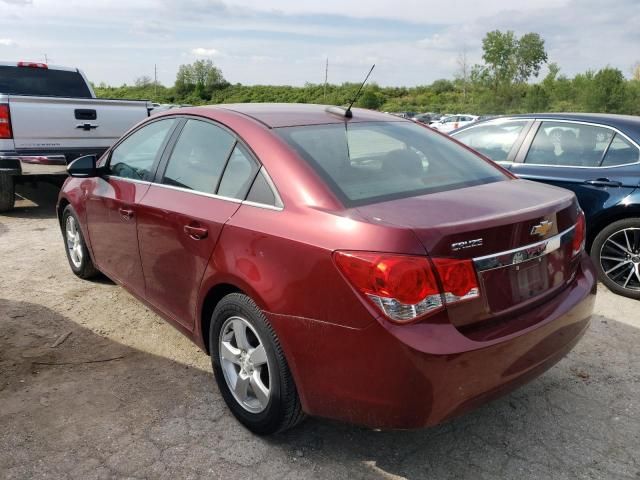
(83, 167)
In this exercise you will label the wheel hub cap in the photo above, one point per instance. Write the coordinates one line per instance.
(244, 364)
(620, 258)
(74, 243)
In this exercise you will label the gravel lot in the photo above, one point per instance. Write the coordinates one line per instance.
(94, 385)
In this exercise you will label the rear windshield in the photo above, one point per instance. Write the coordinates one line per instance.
(42, 82)
(377, 161)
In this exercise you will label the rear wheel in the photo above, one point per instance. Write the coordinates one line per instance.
(76, 248)
(616, 255)
(250, 368)
(7, 192)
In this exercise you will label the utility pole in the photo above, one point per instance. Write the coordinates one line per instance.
(155, 81)
(46, 60)
(326, 77)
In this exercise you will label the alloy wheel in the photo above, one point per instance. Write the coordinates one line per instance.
(245, 364)
(74, 241)
(620, 258)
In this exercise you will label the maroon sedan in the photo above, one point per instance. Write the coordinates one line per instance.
(362, 267)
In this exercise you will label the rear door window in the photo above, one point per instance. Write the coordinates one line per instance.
(569, 145)
(199, 157)
(376, 161)
(494, 140)
(621, 152)
(238, 175)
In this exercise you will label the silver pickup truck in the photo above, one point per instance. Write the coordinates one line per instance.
(49, 116)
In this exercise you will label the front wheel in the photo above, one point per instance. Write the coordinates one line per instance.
(250, 368)
(76, 248)
(616, 255)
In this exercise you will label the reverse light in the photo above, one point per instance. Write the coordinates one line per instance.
(5, 122)
(579, 235)
(408, 287)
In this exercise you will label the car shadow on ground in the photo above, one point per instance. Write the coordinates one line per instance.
(76, 404)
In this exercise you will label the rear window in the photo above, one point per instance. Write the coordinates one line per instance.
(42, 82)
(377, 161)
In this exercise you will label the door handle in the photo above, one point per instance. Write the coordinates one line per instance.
(197, 233)
(603, 182)
(126, 213)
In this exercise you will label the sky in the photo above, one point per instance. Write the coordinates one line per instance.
(286, 42)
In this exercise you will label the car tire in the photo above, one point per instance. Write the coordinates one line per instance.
(7, 192)
(606, 256)
(75, 246)
(241, 380)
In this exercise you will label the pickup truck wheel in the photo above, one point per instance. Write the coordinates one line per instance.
(75, 246)
(616, 255)
(7, 192)
(250, 368)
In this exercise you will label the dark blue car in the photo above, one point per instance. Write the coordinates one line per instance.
(598, 157)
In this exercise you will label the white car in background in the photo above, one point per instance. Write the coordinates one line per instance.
(452, 122)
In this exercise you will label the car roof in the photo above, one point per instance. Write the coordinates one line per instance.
(275, 115)
(628, 124)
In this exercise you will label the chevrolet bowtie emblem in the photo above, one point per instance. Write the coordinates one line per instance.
(542, 228)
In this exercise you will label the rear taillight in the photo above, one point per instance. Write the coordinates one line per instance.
(579, 235)
(405, 287)
(5, 122)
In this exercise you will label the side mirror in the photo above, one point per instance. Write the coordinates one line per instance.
(83, 167)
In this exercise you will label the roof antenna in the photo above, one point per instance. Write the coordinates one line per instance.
(348, 112)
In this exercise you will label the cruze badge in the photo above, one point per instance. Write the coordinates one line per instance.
(542, 228)
(466, 244)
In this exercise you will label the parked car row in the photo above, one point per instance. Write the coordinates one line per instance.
(595, 156)
(340, 263)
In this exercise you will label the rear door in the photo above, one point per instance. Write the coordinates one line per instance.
(199, 186)
(598, 163)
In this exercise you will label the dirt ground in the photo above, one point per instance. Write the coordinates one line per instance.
(94, 385)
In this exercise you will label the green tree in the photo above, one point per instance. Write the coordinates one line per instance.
(511, 60)
(201, 78)
(608, 91)
(370, 99)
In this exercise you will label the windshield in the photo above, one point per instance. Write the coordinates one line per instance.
(376, 161)
(42, 82)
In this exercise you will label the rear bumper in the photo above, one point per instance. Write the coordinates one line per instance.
(32, 164)
(420, 375)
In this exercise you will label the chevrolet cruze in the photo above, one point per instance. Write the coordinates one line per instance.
(337, 263)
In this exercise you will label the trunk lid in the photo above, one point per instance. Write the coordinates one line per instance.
(513, 230)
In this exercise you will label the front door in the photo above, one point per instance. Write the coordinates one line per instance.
(181, 216)
(112, 203)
